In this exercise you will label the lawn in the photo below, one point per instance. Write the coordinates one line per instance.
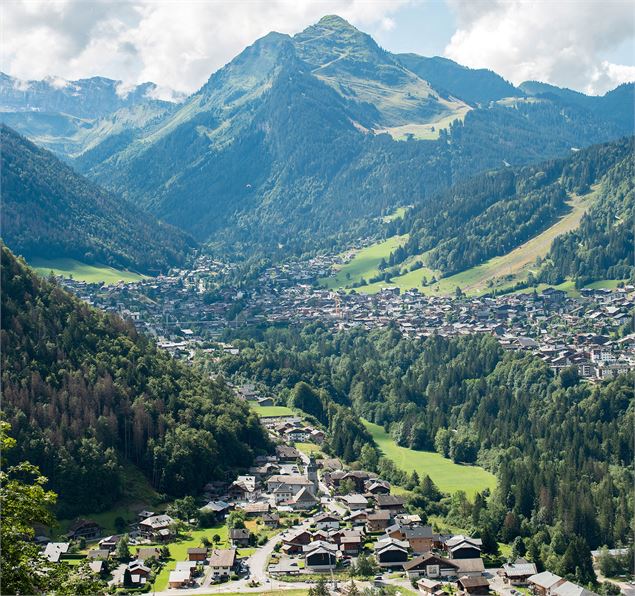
(396, 214)
(272, 411)
(265, 591)
(499, 272)
(83, 272)
(447, 475)
(307, 448)
(364, 263)
(178, 551)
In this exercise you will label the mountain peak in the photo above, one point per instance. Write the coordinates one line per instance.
(333, 21)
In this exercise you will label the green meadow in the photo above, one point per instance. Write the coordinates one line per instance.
(500, 272)
(447, 475)
(364, 263)
(72, 268)
(271, 411)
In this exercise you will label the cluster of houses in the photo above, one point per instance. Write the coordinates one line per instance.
(563, 330)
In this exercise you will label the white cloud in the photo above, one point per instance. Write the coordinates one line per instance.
(561, 42)
(176, 44)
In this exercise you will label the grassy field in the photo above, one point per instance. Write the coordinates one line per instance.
(447, 475)
(83, 272)
(425, 132)
(271, 411)
(396, 214)
(364, 263)
(500, 272)
(178, 551)
(308, 448)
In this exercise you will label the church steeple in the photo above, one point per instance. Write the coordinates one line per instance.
(312, 473)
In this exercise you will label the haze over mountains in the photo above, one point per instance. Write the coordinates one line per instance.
(301, 142)
(50, 211)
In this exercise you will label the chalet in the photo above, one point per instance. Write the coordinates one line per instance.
(271, 520)
(293, 543)
(157, 526)
(222, 562)
(463, 547)
(97, 566)
(571, 589)
(354, 502)
(243, 488)
(144, 515)
(391, 553)
(351, 544)
(544, 583)
(219, 509)
(148, 552)
(473, 585)
(296, 435)
(391, 503)
(98, 554)
(179, 579)
(317, 436)
(139, 572)
(256, 509)
(304, 500)
(431, 587)
(84, 528)
(239, 536)
(470, 567)
(110, 542)
(187, 566)
(281, 485)
(377, 487)
(265, 401)
(198, 554)
(378, 521)
(54, 551)
(326, 521)
(431, 566)
(517, 574)
(320, 555)
(420, 538)
(287, 454)
(357, 517)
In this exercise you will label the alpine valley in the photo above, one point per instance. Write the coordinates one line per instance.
(340, 314)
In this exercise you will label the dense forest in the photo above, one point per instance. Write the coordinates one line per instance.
(602, 247)
(495, 212)
(50, 211)
(85, 394)
(562, 449)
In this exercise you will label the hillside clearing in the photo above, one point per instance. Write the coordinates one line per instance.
(425, 132)
(447, 475)
(71, 268)
(499, 272)
(364, 263)
(271, 411)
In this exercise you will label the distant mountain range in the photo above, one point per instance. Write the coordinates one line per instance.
(50, 211)
(299, 143)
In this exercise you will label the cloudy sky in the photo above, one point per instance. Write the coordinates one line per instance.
(587, 45)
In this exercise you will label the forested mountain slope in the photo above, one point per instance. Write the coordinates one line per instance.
(493, 213)
(562, 449)
(283, 148)
(603, 246)
(84, 393)
(50, 211)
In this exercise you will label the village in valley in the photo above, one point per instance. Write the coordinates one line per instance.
(184, 316)
(300, 519)
(297, 519)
